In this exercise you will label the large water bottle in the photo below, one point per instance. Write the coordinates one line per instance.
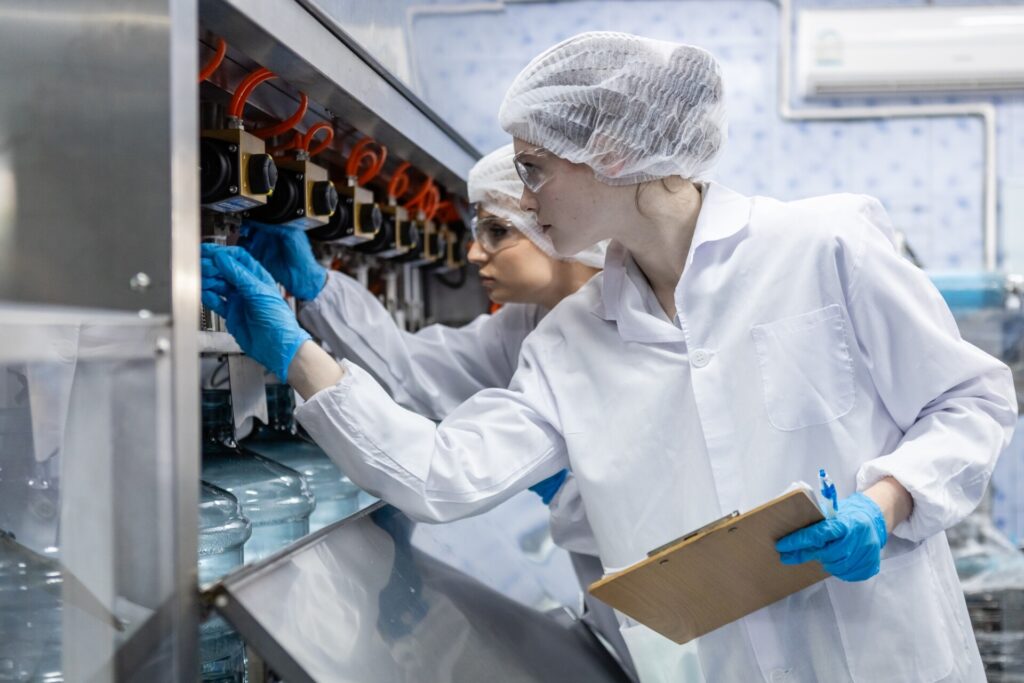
(30, 576)
(276, 499)
(30, 618)
(223, 531)
(336, 496)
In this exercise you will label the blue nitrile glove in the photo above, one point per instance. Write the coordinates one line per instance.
(849, 545)
(549, 487)
(238, 289)
(288, 255)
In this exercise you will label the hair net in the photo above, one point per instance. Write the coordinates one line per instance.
(496, 187)
(633, 109)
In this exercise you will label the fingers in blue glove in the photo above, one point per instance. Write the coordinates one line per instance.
(217, 285)
(215, 303)
(813, 537)
(242, 257)
(848, 546)
(235, 267)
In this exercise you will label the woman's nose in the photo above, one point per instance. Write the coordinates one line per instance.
(476, 255)
(528, 201)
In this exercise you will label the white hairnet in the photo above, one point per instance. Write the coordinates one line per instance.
(633, 109)
(496, 187)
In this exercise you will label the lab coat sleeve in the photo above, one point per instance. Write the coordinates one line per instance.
(431, 371)
(570, 528)
(955, 404)
(491, 447)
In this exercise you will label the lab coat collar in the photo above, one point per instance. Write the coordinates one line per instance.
(723, 213)
(626, 296)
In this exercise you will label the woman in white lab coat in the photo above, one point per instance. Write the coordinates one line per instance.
(731, 346)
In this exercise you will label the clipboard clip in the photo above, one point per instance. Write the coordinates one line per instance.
(707, 527)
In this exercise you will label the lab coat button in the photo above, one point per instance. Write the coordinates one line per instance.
(700, 358)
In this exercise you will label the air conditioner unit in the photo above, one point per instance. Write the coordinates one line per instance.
(910, 50)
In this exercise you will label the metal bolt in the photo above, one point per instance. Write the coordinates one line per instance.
(233, 189)
(298, 176)
(163, 345)
(140, 282)
(232, 148)
(221, 601)
(300, 212)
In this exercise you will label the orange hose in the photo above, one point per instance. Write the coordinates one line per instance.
(399, 183)
(287, 124)
(359, 154)
(431, 203)
(307, 140)
(446, 212)
(355, 156)
(215, 61)
(419, 197)
(263, 76)
(373, 159)
(245, 89)
(377, 167)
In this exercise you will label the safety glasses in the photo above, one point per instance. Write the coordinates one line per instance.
(535, 168)
(494, 234)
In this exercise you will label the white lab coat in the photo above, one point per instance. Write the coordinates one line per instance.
(434, 370)
(802, 340)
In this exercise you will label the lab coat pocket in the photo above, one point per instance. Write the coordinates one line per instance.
(806, 368)
(905, 595)
(659, 660)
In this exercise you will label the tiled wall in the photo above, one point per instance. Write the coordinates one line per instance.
(927, 172)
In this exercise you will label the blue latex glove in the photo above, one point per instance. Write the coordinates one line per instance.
(237, 288)
(549, 487)
(849, 545)
(288, 255)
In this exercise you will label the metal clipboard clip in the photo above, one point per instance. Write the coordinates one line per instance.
(707, 527)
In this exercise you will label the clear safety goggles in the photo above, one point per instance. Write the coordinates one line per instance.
(534, 168)
(494, 234)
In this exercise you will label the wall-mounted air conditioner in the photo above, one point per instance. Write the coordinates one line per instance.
(910, 50)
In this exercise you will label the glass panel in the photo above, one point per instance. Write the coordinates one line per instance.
(84, 539)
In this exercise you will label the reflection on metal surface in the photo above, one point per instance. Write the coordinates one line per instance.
(8, 209)
(362, 602)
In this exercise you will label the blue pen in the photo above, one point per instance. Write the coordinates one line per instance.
(828, 490)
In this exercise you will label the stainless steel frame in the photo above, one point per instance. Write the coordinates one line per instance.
(182, 469)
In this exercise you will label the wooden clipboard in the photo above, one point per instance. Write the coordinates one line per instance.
(717, 574)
